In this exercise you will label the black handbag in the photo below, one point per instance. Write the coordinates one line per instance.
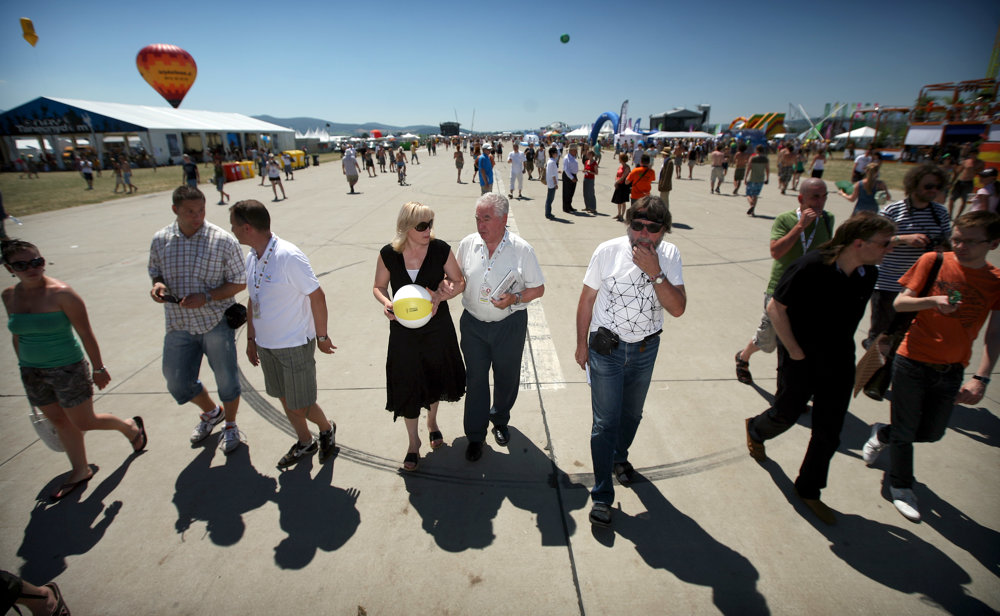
(236, 315)
(879, 382)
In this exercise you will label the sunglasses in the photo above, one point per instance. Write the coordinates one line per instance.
(21, 266)
(423, 226)
(652, 227)
(931, 187)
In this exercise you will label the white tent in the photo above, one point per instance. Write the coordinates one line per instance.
(865, 132)
(680, 134)
(409, 136)
(583, 131)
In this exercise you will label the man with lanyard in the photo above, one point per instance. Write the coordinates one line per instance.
(793, 234)
(196, 269)
(516, 160)
(921, 226)
(571, 169)
(816, 308)
(928, 367)
(485, 167)
(286, 322)
(628, 284)
(501, 276)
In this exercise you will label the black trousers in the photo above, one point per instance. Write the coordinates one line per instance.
(828, 381)
(569, 187)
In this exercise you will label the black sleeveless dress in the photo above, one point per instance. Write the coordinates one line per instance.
(423, 365)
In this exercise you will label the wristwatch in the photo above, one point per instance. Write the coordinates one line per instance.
(208, 297)
(322, 338)
(660, 278)
(984, 379)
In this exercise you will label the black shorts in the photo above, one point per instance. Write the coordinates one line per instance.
(961, 189)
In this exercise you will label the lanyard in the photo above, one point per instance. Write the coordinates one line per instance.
(496, 253)
(259, 275)
(802, 234)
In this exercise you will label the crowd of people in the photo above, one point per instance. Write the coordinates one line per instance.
(822, 280)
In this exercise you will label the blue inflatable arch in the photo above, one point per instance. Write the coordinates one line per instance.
(607, 116)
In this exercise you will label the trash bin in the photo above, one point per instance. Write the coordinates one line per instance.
(316, 160)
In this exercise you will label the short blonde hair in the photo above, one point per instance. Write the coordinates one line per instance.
(410, 215)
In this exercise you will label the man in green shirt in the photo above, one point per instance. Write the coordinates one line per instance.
(793, 234)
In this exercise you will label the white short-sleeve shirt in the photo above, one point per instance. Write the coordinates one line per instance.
(516, 160)
(626, 301)
(482, 274)
(279, 284)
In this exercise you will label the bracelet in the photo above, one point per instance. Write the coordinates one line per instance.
(103, 369)
(984, 379)
(518, 296)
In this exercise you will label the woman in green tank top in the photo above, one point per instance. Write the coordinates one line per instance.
(42, 315)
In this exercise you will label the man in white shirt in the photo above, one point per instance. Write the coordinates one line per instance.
(349, 165)
(628, 284)
(285, 312)
(551, 180)
(501, 276)
(571, 168)
(516, 160)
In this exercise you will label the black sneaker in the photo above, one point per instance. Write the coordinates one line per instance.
(328, 442)
(297, 453)
(474, 451)
(502, 435)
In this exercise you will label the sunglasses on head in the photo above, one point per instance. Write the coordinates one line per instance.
(639, 225)
(423, 226)
(20, 266)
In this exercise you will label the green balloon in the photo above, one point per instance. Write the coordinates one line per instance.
(564, 38)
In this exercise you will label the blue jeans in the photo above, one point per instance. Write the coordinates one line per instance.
(497, 345)
(549, 198)
(182, 352)
(618, 386)
(922, 399)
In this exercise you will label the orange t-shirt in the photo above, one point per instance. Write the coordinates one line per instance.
(641, 179)
(937, 338)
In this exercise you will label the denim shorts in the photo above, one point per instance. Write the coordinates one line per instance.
(68, 385)
(182, 353)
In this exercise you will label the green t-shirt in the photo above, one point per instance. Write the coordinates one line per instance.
(820, 231)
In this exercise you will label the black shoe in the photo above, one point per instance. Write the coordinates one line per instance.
(502, 435)
(328, 442)
(297, 453)
(624, 473)
(474, 451)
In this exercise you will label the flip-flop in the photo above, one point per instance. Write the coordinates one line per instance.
(69, 487)
(743, 370)
(61, 609)
(413, 459)
(141, 437)
(435, 436)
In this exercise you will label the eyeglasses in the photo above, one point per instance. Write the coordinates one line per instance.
(884, 244)
(652, 227)
(21, 266)
(423, 226)
(931, 187)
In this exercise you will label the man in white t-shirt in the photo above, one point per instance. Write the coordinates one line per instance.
(285, 312)
(516, 159)
(628, 284)
(988, 196)
(501, 276)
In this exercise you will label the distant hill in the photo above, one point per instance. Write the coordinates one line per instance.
(303, 125)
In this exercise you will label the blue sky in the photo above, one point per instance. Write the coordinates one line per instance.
(404, 63)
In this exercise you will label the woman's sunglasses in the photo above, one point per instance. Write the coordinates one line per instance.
(423, 226)
(652, 227)
(21, 266)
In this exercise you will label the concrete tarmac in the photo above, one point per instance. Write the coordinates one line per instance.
(184, 529)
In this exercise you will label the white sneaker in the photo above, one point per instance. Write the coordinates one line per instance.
(873, 446)
(208, 421)
(230, 439)
(905, 502)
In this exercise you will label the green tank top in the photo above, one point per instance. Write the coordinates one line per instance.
(45, 339)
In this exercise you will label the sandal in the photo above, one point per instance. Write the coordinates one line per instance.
(411, 461)
(624, 472)
(436, 438)
(600, 515)
(139, 440)
(61, 609)
(743, 370)
(69, 487)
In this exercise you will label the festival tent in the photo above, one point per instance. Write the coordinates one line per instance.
(680, 134)
(865, 132)
(583, 131)
(409, 136)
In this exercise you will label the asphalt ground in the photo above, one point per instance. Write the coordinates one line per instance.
(184, 529)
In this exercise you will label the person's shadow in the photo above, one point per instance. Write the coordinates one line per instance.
(458, 509)
(74, 525)
(315, 514)
(979, 424)
(668, 539)
(220, 495)
(890, 555)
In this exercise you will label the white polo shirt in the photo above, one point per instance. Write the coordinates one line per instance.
(626, 301)
(516, 160)
(279, 284)
(482, 273)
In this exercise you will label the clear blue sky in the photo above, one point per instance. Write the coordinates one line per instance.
(416, 62)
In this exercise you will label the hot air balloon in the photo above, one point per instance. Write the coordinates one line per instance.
(169, 69)
(29, 31)
(377, 134)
